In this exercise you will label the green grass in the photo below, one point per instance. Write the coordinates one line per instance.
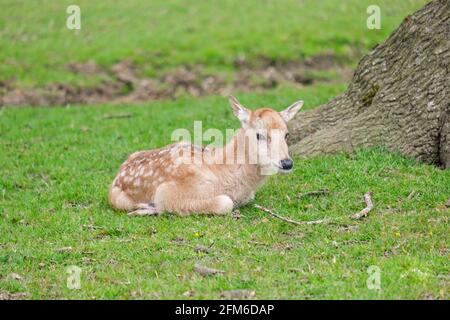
(56, 166)
(36, 46)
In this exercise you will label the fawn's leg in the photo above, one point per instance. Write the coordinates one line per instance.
(184, 200)
(120, 200)
(144, 209)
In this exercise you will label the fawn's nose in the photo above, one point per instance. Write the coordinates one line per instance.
(287, 164)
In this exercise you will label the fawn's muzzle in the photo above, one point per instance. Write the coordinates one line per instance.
(287, 164)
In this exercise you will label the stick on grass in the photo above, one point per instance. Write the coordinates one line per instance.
(300, 223)
(313, 193)
(364, 212)
(117, 116)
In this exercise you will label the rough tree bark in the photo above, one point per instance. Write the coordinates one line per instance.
(399, 96)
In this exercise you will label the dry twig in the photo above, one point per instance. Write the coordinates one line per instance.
(366, 210)
(313, 193)
(117, 116)
(64, 249)
(91, 227)
(411, 195)
(300, 223)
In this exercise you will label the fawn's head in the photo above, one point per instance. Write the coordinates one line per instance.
(267, 133)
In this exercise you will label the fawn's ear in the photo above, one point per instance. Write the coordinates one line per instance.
(241, 112)
(291, 111)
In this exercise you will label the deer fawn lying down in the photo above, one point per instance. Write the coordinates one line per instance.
(183, 178)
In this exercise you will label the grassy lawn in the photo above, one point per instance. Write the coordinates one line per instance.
(159, 35)
(57, 165)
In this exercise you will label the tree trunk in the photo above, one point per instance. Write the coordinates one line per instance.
(399, 96)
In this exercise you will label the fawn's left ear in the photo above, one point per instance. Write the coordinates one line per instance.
(291, 111)
(241, 112)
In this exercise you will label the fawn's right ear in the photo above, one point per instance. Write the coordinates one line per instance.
(241, 112)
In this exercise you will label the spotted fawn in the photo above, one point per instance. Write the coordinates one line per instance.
(184, 178)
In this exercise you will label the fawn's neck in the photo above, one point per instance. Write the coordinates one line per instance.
(235, 158)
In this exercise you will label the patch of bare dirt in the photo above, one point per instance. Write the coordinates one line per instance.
(127, 86)
(87, 68)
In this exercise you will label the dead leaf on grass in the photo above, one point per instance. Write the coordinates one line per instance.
(206, 271)
(14, 276)
(6, 295)
(202, 249)
(238, 294)
(189, 293)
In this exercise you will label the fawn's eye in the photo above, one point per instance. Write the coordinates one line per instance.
(259, 136)
(286, 136)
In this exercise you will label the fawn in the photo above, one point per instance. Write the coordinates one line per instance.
(167, 180)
